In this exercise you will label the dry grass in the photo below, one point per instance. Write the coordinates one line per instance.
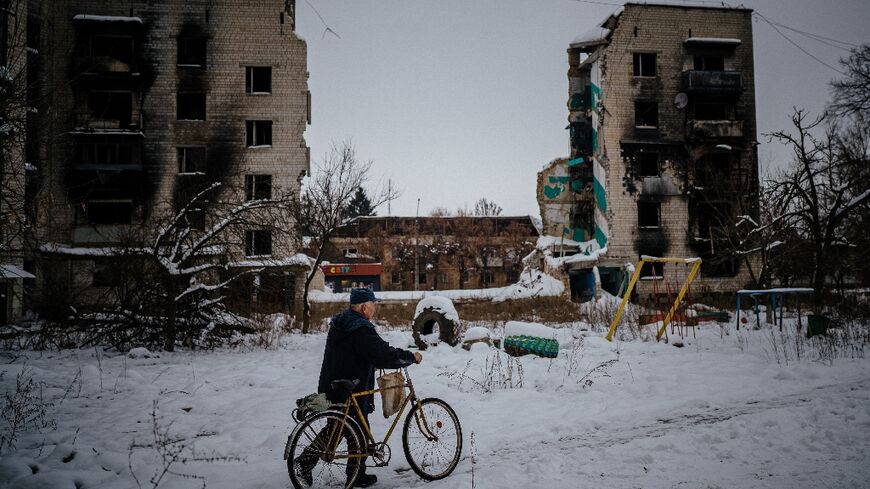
(400, 315)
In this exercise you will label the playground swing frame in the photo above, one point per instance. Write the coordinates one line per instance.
(644, 259)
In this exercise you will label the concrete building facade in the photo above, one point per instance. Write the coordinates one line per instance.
(140, 102)
(661, 112)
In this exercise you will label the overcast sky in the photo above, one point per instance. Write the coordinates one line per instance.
(455, 100)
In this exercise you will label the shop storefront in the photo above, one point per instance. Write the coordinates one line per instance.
(342, 277)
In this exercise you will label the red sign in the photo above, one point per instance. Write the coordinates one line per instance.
(352, 269)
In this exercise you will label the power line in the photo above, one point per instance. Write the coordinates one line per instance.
(817, 37)
(811, 55)
(326, 27)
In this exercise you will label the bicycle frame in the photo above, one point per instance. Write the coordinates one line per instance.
(367, 432)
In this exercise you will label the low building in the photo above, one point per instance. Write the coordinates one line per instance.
(463, 252)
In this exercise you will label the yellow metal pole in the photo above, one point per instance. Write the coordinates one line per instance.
(625, 297)
(680, 296)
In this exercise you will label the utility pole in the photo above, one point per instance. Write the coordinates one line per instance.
(416, 246)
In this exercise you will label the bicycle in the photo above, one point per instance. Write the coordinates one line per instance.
(333, 444)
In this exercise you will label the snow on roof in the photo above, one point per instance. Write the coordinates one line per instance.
(79, 251)
(532, 283)
(713, 40)
(107, 18)
(12, 271)
(591, 37)
(299, 259)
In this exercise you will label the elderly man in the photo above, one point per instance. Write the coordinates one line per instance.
(353, 351)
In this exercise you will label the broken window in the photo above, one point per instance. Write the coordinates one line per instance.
(396, 278)
(258, 242)
(644, 64)
(191, 159)
(258, 187)
(195, 219)
(109, 212)
(258, 79)
(709, 62)
(649, 214)
(192, 51)
(34, 33)
(422, 278)
(191, 106)
(646, 114)
(713, 169)
(112, 53)
(258, 133)
(349, 252)
(713, 219)
(711, 111)
(652, 270)
(110, 110)
(647, 164)
(105, 151)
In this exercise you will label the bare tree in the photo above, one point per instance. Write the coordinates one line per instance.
(439, 212)
(852, 93)
(172, 285)
(326, 196)
(825, 187)
(486, 207)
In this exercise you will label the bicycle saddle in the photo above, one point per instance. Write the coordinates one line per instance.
(345, 385)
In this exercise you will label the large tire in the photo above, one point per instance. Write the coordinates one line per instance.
(325, 473)
(421, 452)
(425, 324)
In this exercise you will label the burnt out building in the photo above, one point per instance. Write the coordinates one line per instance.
(456, 252)
(140, 104)
(661, 117)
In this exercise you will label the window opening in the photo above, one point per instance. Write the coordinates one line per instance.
(258, 187)
(649, 214)
(646, 114)
(644, 64)
(258, 79)
(191, 106)
(258, 133)
(191, 160)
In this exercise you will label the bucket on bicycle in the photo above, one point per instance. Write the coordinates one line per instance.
(392, 386)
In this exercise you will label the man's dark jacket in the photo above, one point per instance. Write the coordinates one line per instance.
(353, 351)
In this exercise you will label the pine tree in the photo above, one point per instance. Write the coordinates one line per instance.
(360, 205)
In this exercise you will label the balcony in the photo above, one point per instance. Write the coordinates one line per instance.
(716, 129)
(713, 82)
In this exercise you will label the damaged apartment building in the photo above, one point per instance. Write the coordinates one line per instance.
(134, 104)
(661, 114)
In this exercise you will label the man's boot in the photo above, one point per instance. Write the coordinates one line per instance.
(365, 480)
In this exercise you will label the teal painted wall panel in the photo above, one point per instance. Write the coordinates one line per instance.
(600, 195)
(600, 237)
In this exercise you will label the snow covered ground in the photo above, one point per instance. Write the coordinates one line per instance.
(724, 411)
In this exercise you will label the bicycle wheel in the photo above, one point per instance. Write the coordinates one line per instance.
(320, 452)
(432, 439)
